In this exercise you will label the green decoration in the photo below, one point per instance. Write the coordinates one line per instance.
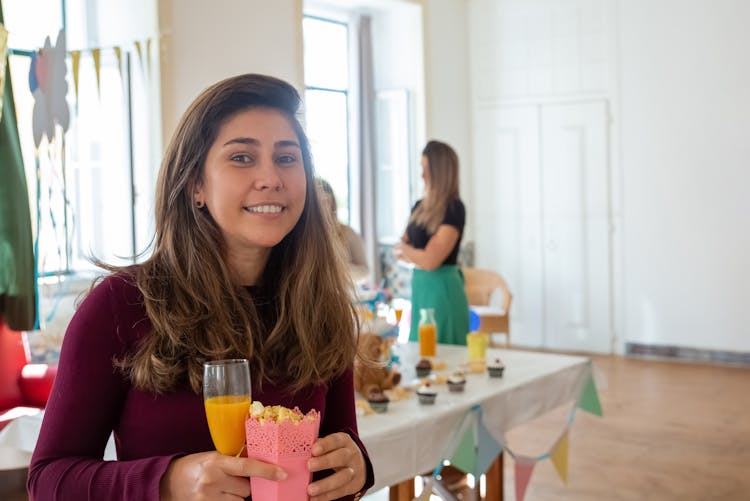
(589, 400)
(17, 275)
(465, 457)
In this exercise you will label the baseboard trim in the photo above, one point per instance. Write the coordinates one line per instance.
(687, 354)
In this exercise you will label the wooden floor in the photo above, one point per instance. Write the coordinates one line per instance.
(670, 431)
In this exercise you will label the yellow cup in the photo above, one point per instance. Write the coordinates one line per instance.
(477, 343)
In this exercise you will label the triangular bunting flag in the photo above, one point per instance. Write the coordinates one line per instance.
(139, 50)
(75, 59)
(97, 54)
(118, 54)
(589, 400)
(465, 456)
(524, 466)
(488, 450)
(559, 456)
(148, 55)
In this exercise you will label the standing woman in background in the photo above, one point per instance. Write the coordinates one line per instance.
(431, 241)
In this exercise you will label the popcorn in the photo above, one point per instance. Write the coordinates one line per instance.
(276, 413)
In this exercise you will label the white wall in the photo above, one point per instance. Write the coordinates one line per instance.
(206, 41)
(398, 52)
(447, 83)
(685, 151)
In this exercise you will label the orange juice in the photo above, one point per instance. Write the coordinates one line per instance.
(427, 340)
(226, 421)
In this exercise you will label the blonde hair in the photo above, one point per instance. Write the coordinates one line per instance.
(197, 310)
(442, 187)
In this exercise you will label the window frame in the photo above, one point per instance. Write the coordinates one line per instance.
(352, 179)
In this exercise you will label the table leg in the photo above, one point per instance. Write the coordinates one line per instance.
(403, 491)
(494, 480)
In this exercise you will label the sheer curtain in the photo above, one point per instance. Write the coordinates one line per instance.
(367, 145)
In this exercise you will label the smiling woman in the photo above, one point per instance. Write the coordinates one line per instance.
(242, 251)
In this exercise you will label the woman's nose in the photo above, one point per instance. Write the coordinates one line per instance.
(268, 178)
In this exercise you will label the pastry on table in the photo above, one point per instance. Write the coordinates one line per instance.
(495, 368)
(426, 394)
(456, 382)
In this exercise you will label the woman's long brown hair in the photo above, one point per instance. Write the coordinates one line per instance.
(197, 310)
(442, 188)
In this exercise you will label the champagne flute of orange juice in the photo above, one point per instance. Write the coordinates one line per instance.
(398, 309)
(226, 395)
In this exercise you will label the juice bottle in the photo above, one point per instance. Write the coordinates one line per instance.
(427, 333)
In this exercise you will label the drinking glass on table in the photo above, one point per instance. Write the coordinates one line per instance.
(226, 395)
(398, 309)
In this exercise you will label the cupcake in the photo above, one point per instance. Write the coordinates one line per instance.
(426, 394)
(495, 368)
(424, 367)
(456, 382)
(378, 401)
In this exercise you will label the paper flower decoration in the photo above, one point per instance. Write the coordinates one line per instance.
(49, 87)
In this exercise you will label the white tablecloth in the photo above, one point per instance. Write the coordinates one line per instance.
(410, 438)
(18, 439)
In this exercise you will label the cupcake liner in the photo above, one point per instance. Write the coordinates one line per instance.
(427, 399)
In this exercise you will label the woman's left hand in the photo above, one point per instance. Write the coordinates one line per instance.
(337, 452)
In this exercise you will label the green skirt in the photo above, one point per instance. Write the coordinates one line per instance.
(442, 290)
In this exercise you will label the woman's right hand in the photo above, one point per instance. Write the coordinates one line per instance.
(210, 475)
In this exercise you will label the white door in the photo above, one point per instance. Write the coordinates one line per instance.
(506, 211)
(575, 227)
(540, 213)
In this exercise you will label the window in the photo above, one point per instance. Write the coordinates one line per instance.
(327, 92)
(90, 190)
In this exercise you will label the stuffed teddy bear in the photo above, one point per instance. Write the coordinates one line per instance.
(371, 379)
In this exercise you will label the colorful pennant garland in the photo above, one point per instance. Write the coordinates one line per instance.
(473, 449)
(96, 55)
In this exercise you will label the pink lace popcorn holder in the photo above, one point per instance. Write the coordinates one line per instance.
(288, 445)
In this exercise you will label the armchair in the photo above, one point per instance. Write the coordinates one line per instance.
(24, 387)
(490, 298)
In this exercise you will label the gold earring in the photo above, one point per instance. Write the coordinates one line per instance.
(199, 204)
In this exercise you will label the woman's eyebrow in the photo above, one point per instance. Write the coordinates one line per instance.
(242, 140)
(286, 142)
(253, 141)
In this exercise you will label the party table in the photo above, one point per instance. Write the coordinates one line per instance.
(411, 439)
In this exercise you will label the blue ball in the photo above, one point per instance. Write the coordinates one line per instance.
(473, 320)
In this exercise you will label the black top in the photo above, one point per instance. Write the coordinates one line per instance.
(455, 215)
